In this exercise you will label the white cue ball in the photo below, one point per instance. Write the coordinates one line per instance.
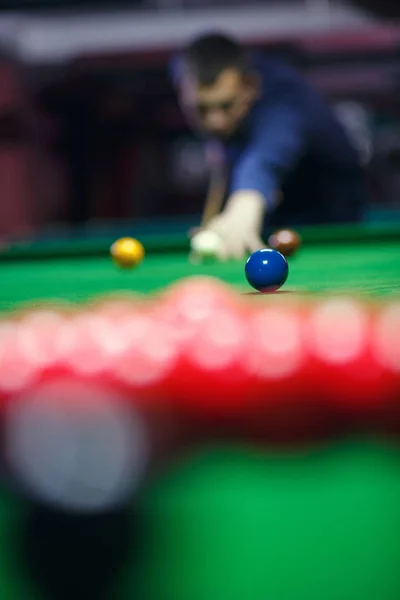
(206, 244)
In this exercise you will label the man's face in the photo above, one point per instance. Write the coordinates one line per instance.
(218, 109)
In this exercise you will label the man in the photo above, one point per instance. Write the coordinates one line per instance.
(276, 149)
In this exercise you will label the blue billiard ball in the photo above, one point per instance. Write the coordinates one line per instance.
(266, 270)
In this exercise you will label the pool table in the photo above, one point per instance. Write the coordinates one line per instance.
(228, 521)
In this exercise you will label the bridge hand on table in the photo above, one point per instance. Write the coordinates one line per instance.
(234, 233)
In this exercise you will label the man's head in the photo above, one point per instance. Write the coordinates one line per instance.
(217, 85)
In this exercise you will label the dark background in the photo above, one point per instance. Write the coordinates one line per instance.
(100, 137)
(120, 131)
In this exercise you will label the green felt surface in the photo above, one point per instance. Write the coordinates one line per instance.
(236, 523)
(232, 522)
(365, 267)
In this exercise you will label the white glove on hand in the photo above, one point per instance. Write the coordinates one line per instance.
(239, 226)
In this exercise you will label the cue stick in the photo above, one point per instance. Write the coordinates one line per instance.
(215, 198)
(212, 207)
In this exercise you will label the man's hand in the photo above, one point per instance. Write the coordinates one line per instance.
(239, 226)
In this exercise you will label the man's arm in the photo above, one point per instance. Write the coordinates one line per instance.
(274, 150)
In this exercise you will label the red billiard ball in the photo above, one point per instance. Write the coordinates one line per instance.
(286, 241)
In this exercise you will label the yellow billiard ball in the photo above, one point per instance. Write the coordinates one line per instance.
(127, 252)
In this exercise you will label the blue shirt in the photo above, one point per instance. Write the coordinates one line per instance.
(290, 121)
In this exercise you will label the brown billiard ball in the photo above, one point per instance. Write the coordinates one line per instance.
(286, 241)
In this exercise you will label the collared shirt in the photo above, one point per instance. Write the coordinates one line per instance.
(289, 122)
